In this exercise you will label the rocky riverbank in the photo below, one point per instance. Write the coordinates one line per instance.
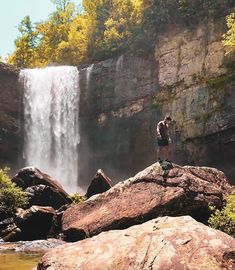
(146, 221)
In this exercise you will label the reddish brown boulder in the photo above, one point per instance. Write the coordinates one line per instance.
(46, 196)
(163, 243)
(34, 223)
(100, 183)
(151, 193)
(31, 176)
(41, 188)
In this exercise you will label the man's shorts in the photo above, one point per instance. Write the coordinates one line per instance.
(162, 142)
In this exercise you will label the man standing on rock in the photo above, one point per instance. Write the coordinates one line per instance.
(163, 138)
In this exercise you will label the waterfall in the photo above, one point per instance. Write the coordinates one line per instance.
(88, 75)
(51, 128)
(119, 64)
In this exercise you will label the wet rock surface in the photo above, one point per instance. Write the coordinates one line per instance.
(163, 243)
(151, 193)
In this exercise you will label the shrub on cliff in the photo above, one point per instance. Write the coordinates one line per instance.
(224, 219)
(11, 196)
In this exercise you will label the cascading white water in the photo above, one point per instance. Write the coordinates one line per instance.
(51, 108)
(88, 75)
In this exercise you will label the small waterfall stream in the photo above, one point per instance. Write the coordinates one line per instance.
(51, 128)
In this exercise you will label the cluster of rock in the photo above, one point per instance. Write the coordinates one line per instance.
(145, 222)
(47, 202)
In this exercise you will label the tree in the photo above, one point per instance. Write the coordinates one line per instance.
(105, 28)
(229, 37)
(54, 32)
(61, 4)
(26, 44)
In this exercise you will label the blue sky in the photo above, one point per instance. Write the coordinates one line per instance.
(13, 11)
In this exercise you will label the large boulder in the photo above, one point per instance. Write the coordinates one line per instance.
(31, 224)
(153, 192)
(42, 189)
(163, 243)
(46, 196)
(100, 183)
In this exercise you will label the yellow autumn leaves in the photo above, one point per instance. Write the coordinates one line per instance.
(105, 28)
(229, 37)
(102, 28)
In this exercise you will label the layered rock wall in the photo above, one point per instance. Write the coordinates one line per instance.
(116, 116)
(190, 78)
(197, 88)
(10, 115)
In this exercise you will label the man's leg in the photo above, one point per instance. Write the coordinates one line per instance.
(159, 152)
(165, 149)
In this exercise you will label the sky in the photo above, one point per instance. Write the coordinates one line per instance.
(13, 11)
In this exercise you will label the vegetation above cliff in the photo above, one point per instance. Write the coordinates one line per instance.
(104, 28)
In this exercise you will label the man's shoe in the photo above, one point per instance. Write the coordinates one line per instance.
(167, 160)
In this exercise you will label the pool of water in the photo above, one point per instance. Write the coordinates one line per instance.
(18, 261)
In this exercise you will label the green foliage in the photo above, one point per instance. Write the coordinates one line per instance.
(24, 55)
(104, 28)
(11, 196)
(77, 198)
(224, 219)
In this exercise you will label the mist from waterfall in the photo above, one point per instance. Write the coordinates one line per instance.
(51, 128)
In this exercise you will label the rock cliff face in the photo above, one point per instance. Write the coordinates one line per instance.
(116, 116)
(190, 78)
(9, 116)
(197, 88)
(192, 81)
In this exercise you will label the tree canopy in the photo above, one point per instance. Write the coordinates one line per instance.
(102, 29)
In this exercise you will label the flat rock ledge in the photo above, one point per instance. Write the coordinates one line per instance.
(164, 243)
(156, 191)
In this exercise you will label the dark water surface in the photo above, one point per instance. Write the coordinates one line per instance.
(10, 260)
